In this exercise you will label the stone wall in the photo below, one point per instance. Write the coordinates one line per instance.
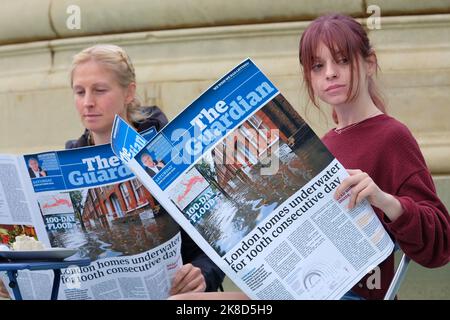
(180, 47)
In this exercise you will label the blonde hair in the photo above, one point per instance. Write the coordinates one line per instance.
(115, 59)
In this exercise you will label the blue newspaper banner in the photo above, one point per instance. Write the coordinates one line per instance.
(83, 167)
(149, 134)
(223, 107)
(49, 176)
(90, 167)
(55, 182)
(125, 141)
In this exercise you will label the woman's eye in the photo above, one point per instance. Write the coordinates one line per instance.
(100, 90)
(316, 66)
(343, 60)
(79, 92)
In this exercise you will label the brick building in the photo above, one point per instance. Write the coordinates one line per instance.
(109, 203)
(254, 140)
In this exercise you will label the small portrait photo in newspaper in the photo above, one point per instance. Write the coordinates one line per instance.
(35, 169)
(151, 165)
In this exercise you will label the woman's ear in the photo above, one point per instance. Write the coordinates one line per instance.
(131, 93)
(371, 64)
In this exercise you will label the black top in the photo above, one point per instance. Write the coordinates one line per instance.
(190, 252)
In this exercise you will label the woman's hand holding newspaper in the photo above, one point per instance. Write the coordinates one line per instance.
(188, 279)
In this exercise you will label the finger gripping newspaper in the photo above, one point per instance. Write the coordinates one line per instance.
(87, 199)
(252, 184)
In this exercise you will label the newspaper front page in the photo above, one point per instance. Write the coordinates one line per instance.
(87, 199)
(251, 183)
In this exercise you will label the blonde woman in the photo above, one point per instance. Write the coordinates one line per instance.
(104, 84)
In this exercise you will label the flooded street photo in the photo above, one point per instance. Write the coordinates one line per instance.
(240, 209)
(125, 236)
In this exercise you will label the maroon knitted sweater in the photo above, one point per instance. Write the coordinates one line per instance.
(385, 149)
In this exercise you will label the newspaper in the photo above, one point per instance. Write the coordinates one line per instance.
(251, 183)
(87, 199)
